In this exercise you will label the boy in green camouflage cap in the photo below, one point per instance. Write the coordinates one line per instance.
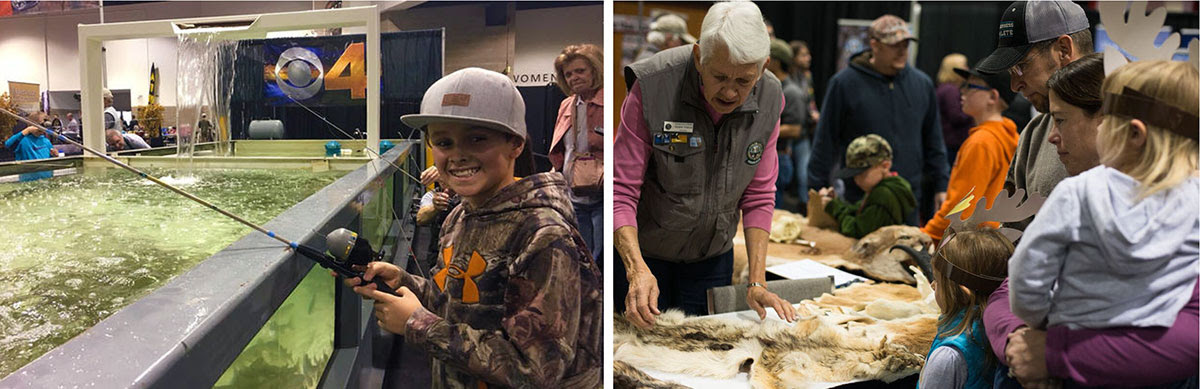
(889, 196)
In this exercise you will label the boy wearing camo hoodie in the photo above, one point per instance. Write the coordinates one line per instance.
(515, 298)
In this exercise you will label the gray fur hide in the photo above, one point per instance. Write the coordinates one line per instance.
(876, 331)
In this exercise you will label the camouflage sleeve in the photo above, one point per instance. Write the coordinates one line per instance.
(539, 329)
(426, 291)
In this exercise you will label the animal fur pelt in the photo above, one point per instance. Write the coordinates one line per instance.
(865, 331)
(872, 255)
(629, 377)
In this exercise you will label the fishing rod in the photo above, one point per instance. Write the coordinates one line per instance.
(333, 263)
(377, 155)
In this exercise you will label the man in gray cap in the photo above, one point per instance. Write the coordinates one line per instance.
(1036, 39)
(112, 118)
(880, 94)
(694, 154)
(668, 31)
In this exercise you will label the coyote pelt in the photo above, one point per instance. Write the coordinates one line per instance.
(872, 255)
(837, 338)
(626, 376)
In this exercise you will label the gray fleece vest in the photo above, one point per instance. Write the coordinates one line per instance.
(695, 177)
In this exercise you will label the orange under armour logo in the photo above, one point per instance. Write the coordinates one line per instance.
(470, 291)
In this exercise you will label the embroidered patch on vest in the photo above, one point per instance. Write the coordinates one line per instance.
(754, 153)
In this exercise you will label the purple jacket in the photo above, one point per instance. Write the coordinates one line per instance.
(955, 123)
(1122, 356)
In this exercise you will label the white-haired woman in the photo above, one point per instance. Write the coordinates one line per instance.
(695, 153)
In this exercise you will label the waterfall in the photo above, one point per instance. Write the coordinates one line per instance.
(204, 78)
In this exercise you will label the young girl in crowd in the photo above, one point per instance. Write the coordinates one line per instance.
(966, 269)
(1117, 245)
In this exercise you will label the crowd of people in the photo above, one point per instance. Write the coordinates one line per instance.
(1101, 287)
(25, 142)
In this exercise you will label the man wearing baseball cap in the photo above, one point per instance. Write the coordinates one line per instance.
(878, 93)
(1036, 38)
(515, 299)
(694, 153)
(668, 31)
(112, 118)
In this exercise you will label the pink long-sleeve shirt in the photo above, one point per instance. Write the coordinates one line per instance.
(1124, 356)
(632, 152)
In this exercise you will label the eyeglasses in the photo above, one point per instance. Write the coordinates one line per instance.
(966, 85)
(1018, 70)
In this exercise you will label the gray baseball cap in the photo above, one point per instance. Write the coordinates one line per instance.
(673, 24)
(473, 96)
(1027, 22)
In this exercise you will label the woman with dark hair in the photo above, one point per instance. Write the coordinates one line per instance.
(577, 147)
(802, 146)
(1075, 101)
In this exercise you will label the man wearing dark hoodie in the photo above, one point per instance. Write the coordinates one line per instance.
(880, 94)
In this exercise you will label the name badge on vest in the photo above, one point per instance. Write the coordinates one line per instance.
(678, 127)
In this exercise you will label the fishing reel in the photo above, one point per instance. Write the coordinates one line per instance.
(349, 249)
(346, 250)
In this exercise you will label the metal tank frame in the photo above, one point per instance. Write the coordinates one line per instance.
(237, 27)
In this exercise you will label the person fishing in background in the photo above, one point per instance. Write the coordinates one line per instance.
(31, 142)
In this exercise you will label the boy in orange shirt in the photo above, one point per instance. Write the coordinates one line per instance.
(984, 157)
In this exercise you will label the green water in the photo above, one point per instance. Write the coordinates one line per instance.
(78, 248)
(293, 347)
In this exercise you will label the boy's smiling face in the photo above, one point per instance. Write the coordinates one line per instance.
(477, 161)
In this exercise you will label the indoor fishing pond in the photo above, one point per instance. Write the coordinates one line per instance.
(82, 246)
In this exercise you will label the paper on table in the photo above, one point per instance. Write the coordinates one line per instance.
(807, 268)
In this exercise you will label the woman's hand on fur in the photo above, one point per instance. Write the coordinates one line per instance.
(758, 298)
(1026, 356)
(641, 302)
(392, 312)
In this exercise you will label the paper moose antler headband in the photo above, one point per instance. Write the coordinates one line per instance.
(1135, 35)
(1004, 208)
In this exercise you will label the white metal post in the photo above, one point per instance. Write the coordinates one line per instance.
(373, 70)
(90, 102)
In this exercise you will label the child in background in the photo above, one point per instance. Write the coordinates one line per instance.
(1117, 245)
(515, 299)
(889, 197)
(983, 158)
(966, 269)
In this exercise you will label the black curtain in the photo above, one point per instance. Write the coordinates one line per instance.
(953, 27)
(411, 62)
(541, 111)
(816, 23)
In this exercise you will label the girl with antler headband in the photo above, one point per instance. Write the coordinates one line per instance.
(966, 269)
(1117, 246)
